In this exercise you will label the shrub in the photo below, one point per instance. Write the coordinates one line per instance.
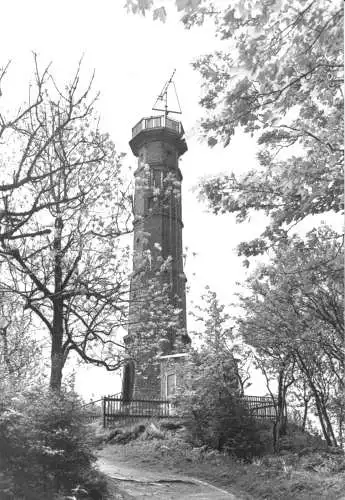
(209, 383)
(224, 424)
(208, 401)
(45, 447)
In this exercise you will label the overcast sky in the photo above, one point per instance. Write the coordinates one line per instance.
(133, 57)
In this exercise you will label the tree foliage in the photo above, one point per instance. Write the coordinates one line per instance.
(212, 383)
(279, 78)
(158, 8)
(294, 319)
(217, 343)
(19, 352)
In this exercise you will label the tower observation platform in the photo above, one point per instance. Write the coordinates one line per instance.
(158, 127)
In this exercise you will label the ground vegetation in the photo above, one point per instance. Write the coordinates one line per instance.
(306, 469)
(46, 447)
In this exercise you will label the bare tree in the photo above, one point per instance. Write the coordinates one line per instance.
(25, 142)
(65, 208)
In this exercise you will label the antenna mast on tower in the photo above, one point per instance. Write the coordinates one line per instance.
(162, 99)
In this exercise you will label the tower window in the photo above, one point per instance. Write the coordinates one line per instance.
(157, 179)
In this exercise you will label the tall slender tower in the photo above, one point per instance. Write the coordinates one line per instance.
(157, 142)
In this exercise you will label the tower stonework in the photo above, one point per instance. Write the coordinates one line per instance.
(158, 143)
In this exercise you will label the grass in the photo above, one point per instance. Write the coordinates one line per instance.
(299, 473)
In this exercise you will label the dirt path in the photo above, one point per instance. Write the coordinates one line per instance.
(137, 483)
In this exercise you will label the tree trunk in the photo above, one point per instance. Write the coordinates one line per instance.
(321, 419)
(3, 332)
(340, 428)
(321, 407)
(324, 420)
(56, 355)
(56, 370)
(280, 425)
(305, 414)
(328, 423)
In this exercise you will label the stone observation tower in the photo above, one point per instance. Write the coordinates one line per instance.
(157, 141)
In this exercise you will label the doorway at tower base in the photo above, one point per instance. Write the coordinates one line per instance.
(171, 373)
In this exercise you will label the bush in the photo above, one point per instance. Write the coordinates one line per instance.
(208, 401)
(297, 440)
(224, 424)
(45, 446)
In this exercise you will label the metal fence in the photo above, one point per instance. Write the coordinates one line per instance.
(111, 409)
(93, 411)
(116, 408)
(261, 407)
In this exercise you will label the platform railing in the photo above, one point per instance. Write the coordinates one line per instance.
(157, 122)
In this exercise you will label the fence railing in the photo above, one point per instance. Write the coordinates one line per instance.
(113, 408)
(261, 407)
(116, 408)
(93, 410)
